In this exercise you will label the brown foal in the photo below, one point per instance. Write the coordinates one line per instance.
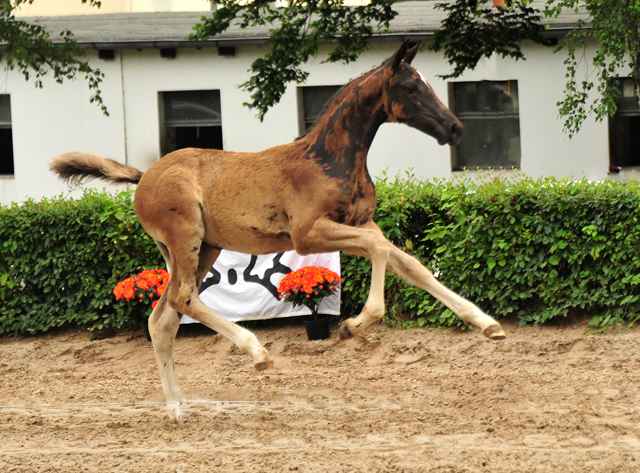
(314, 195)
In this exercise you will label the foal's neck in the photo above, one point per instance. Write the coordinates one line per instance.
(343, 134)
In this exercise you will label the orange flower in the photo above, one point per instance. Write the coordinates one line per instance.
(149, 284)
(308, 286)
(142, 284)
(129, 293)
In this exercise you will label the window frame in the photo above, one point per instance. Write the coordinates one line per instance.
(628, 109)
(485, 116)
(6, 169)
(304, 120)
(169, 126)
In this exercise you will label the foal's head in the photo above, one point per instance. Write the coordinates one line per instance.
(410, 100)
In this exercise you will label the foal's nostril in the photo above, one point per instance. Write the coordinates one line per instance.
(456, 130)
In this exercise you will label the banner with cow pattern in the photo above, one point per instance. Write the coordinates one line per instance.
(245, 287)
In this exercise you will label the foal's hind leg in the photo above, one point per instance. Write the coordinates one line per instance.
(182, 291)
(163, 327)
(164, 323)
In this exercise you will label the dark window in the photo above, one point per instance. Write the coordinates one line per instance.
(624, 128)
(490, 113)
(311, 101)
(6, 140)
(190, 119)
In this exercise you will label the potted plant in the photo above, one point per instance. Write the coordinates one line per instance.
(308, 286)
(144, 289)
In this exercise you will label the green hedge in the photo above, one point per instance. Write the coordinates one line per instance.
(531, 249)
(534, 249)
(60, 260)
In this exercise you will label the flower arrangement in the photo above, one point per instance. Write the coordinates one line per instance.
(148, 284)
(308, 286)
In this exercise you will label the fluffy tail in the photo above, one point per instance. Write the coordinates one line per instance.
(74, 167)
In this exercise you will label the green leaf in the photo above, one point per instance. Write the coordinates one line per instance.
(491, 263)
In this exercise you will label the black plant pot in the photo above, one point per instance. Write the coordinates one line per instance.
(317, 326)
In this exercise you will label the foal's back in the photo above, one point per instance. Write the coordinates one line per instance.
(242, 201)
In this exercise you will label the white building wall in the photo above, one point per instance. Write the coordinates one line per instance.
(59, 118)
(146, 74)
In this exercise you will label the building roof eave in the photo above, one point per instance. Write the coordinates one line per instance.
(415, 20)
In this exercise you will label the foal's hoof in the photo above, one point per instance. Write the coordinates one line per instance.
(344, 332)
(494, 332)
(175, 414)
(266, 366)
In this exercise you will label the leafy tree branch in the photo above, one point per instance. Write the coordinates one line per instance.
(473, 29)
(614, 27)
(298, 30)
(30, 49)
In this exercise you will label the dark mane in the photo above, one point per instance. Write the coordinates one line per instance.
(337, 99)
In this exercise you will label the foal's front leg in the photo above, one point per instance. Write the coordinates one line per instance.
(327, 236)
(414, 273)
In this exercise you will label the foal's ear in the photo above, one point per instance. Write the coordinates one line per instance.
(399, 55)
(411, 53)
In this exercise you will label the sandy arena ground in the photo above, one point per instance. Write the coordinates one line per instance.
(547, 399)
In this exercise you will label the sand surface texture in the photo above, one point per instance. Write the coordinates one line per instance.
(546, 399)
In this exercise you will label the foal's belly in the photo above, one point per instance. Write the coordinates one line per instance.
(261, 245)
(252, 239)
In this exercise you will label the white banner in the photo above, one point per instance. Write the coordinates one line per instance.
(245, 287)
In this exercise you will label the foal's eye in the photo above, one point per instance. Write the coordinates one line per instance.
(410, 89)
